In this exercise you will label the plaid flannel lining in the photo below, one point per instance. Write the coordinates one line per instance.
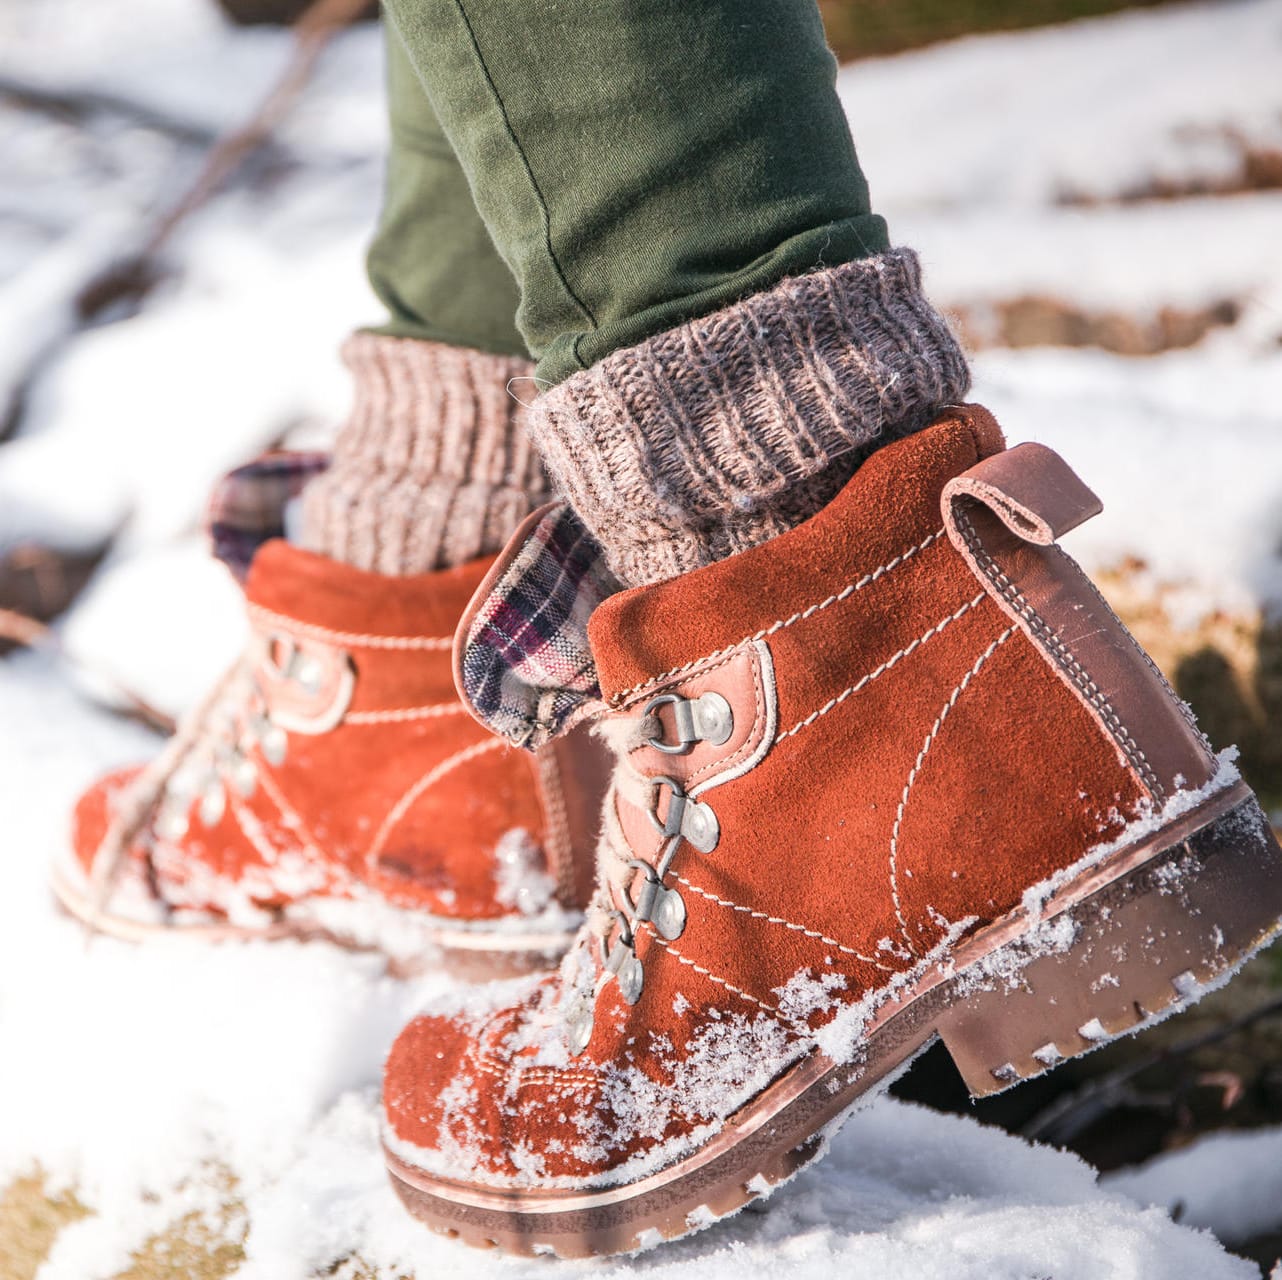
(247, 506)
(527, 670)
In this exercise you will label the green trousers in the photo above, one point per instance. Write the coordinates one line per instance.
(568, 177)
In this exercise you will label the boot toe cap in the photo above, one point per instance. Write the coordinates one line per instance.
(93, 814)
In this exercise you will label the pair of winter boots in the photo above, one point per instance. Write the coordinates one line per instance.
(897, 775)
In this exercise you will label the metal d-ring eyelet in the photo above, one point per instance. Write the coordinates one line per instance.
(625, 935)
(657, 903)
(243, 774)
(309, 672)
(283, 667)
(676, 701)
(578, 1024)
(213, 804)
(671, 825)
(707, 718)
(272, 740)
(621, 962)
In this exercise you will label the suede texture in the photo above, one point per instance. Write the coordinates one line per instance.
(904, 766)
(405, 797)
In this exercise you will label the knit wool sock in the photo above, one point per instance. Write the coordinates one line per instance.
(718, 434)
(433, 468)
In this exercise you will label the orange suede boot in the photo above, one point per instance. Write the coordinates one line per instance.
(897, 774)
(334, 786)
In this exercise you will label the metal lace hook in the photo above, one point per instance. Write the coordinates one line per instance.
(687, 818)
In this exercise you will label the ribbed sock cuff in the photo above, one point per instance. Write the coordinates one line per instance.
(718, 434)
(433, 467)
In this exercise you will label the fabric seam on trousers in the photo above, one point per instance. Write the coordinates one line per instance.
(525, 164)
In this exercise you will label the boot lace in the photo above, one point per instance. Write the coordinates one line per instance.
(213, 754)
(630, 890)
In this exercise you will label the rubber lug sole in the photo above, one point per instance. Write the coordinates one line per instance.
(469, 955)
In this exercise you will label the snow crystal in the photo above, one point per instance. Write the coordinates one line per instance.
(520, 878)
(1148, 823)
(728, 1060)
(805, 994)
(1005, 966)
(1048, 1055)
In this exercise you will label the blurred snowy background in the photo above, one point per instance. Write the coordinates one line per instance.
(1099, 205)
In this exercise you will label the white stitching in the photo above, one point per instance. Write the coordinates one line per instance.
(885, 666)
(252, 827)
(513, 1073)
(787, 924)
(429, 779)
(916, 770)
(715, 662)
(353, 639)
(400, 715)
(1060, 652)
(516, 1077)
(780, 624)
(729, 986)
(752, 742)
(289, 815)
(253, 832)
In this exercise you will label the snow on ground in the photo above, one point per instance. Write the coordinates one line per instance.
(971, 147)
(239, 345)
(1185, 450)
(1231, 1182)
(1095, 109)
(143, 1067)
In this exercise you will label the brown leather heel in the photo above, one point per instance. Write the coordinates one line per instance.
(1144, 946)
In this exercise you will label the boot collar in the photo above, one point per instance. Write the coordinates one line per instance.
(529, 667)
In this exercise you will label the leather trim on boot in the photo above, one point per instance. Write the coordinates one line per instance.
(1003, 515)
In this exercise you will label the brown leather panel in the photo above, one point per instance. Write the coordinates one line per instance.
(1045, 592)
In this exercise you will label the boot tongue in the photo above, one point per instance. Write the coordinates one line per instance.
(523, 664)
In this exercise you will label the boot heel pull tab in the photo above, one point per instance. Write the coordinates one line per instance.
(1030, 488)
